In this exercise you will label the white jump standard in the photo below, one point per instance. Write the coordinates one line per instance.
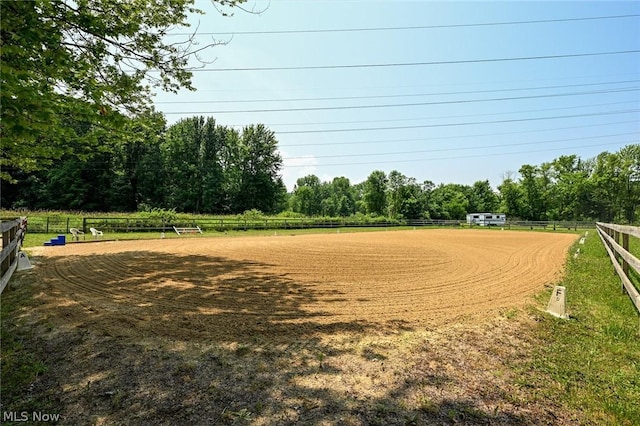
(181, 231)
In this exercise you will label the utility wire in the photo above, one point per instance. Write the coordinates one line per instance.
(460, 149)
(337, 98)
(543, 142)
(456, 157)
(411, 64)
(475, 135)
(416, 27)
(413, 86)
(472, 123)
(406, 160)
(459, 101)
(315, 123)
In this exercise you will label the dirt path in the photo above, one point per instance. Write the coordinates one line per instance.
(281, 285)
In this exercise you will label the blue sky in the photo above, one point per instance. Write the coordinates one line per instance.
(476, 119)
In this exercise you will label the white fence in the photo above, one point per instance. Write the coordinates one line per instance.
(616, 241)
(13, 232)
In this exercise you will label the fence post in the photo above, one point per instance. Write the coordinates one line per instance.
(84, 225)
(616, 238)
(6, 263)
(12, 235)
(625, 245)
(47, 224)
(67, 231)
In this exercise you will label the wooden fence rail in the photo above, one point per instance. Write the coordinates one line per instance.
(13, 232)
(612, 236)
(44, 224)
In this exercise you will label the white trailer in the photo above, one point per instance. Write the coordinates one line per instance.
(486, 219)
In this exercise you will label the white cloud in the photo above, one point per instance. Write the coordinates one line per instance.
(295, 168)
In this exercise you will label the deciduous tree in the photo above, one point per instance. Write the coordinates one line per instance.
(89, 61)
(375, 198)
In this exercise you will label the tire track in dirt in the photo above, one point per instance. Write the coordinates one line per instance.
(305, 284)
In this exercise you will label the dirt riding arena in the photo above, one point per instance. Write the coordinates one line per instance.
(408, 327)
(232, 289)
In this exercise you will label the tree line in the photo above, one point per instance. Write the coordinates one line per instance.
(605, 188)
(198, 166)
(194, 166)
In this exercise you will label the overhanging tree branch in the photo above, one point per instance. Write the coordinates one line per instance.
(92, 59)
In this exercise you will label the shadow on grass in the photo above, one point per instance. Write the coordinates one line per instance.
(231, 344)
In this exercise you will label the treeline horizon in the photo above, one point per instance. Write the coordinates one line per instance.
(197, 166)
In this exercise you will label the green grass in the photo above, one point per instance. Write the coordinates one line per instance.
(33, 239)
(36, 239)
(52, 222)
(590, 362)
(21, 364)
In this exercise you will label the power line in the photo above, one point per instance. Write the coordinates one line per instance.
(459, 101)
(391, 96)
(315, 123)
(413, 86)
(473, 123)
(409, 160)
(416, 27)
(459, 149)
(476, 135)
(411, 64)
(456, 157)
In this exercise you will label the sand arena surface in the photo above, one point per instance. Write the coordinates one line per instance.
(233, 288)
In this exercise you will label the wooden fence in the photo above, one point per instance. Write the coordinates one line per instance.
(13, 232)
(136, 224)
(616, 240)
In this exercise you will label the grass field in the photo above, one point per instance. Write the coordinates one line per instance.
(88, 352)
(35, 240)
(592, 361)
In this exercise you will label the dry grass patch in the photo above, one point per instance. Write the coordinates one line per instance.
(443, 374)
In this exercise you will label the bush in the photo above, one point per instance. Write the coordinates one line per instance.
(252, 214)
(288, 214)
(158, 215)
